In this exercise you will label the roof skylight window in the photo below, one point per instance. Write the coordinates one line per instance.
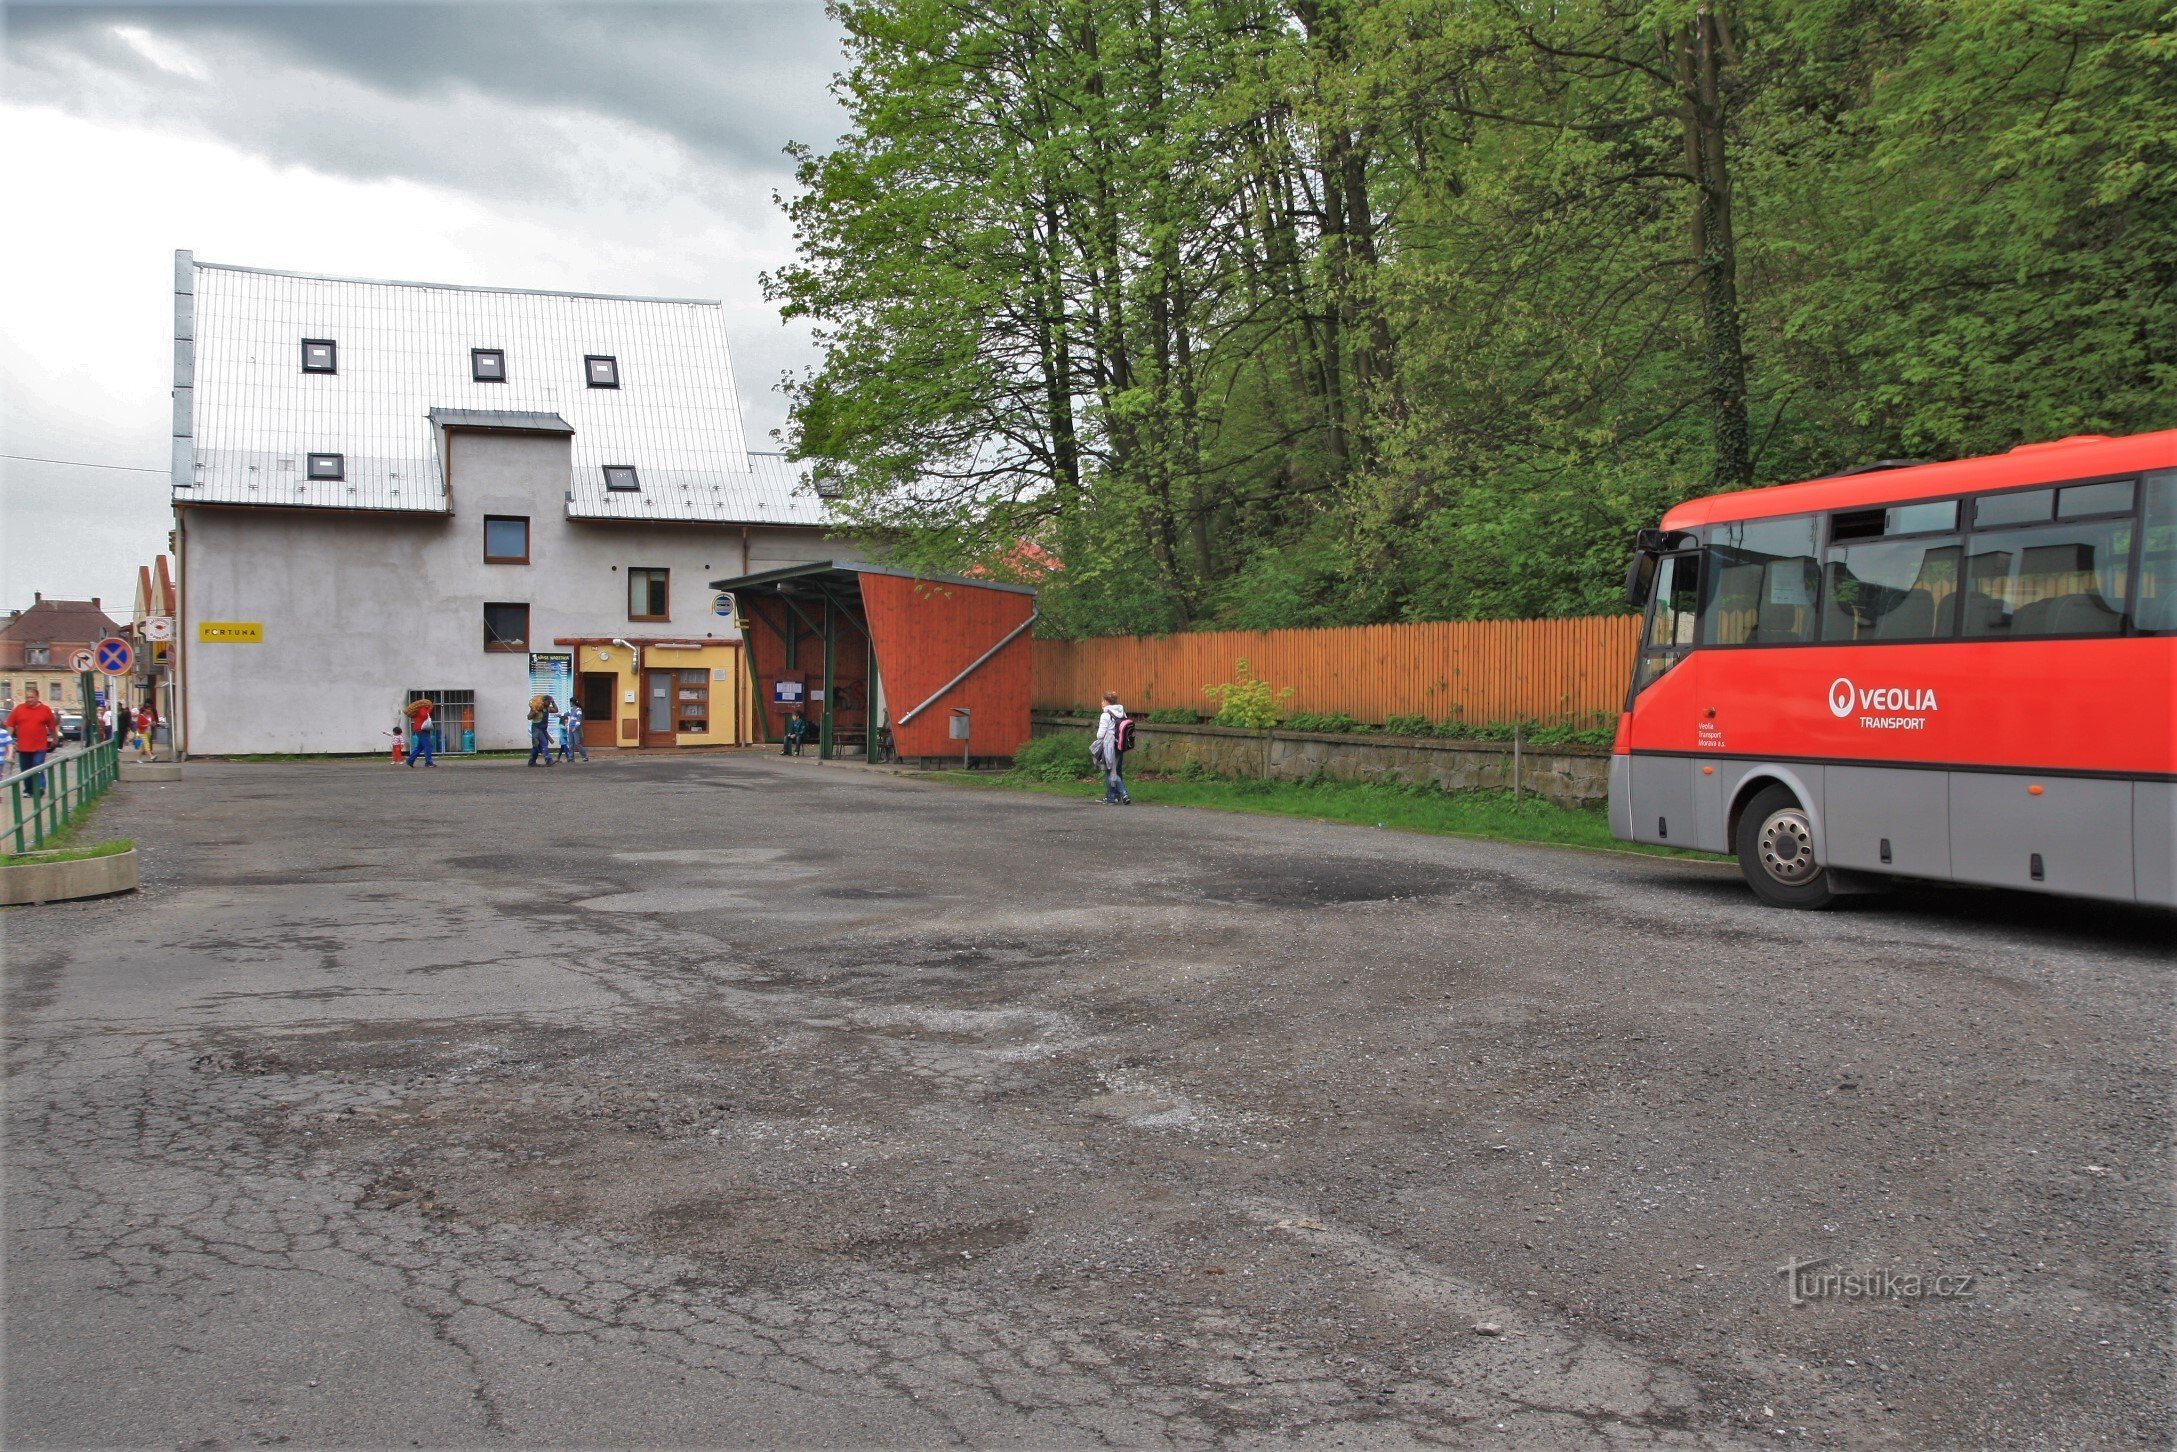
(601, 371)
(487, 365)
(320, 355)
(328, 466)
(620, 478)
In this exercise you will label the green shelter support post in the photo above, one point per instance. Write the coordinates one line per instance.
(831, 662)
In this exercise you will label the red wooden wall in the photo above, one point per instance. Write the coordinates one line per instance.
(767, 649)
(927, 633)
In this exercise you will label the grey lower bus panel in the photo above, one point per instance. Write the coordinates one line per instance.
(1662, 796)
(2154, 841)
(1621, 798)
(2076, 832)
(1870, 808)
(2094, 837)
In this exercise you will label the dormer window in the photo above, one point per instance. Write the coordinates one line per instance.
(329, 466)
(487, 365)
(320, 355)
(620, 478)
(601, 372)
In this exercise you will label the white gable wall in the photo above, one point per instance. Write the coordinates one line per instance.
(359, 609)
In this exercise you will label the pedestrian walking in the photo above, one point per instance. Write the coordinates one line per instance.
(35, 729)
(541, 711)
(570, 733)
(423, 726)
(1114, 738)
(147, 730)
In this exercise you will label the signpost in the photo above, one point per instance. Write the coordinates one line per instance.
(158, 627)
(723, 604)
(80, 662)
(114, 656)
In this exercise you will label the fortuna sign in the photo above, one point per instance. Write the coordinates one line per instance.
(1845, 698)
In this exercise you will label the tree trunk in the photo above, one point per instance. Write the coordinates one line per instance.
(1704, 111)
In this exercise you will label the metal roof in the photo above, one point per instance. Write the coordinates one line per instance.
(787, 573)
(500, 418)
(247, 415)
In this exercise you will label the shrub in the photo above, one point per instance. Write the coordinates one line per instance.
(1174, 716)
(1247, 701)
(1322, 721)
(1409, 726)
(1061, 757)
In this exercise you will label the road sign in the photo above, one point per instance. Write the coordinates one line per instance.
(80, 662)
(159, 627)
(114, 656)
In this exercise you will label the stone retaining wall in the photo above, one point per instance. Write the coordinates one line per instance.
(1571, 776)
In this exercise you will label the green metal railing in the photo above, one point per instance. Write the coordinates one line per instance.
(40, 801)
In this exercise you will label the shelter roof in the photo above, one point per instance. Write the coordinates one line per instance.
(839, 573)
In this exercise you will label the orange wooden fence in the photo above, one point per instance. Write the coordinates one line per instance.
(1477, 671)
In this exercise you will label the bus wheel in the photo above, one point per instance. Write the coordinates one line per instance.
(1776, 852)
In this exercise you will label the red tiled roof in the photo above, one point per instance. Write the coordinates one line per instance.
(65, 625)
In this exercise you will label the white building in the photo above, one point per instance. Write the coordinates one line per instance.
(384, 488)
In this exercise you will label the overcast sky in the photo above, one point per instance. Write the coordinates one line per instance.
(629, 148)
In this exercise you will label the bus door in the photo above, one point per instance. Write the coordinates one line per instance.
(1664, 703)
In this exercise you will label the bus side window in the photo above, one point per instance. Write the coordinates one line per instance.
(2156, 607)
(1673, 610)
(1677, 601)
(1761, 583)
(1903, 589)
(2061, 579)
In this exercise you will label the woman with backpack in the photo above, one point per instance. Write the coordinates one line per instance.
(1114, 738)
(541, 711)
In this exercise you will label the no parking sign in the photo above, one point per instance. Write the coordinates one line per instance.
(114, 656)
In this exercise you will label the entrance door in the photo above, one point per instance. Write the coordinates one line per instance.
(599, 688)
(658, 708)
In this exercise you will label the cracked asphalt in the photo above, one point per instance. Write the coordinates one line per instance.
(725, 1100)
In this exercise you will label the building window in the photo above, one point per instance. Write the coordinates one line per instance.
(692, 702)
(506, 539)
(647, 594)
(328, 466)
(7, 690)
(320, 355)
(487, 365)
(601, 371)
(621, 478)
(37, 655)
(453, 717)
(506, 627)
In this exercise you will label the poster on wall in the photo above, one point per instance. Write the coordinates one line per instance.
(551, 673)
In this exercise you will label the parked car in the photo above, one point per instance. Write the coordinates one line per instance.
(71, 725)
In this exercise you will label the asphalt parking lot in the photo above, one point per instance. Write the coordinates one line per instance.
(733, 1101)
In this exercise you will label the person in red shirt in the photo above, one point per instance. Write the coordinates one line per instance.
(35, 729)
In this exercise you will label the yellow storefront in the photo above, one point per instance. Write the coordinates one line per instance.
(660, 693)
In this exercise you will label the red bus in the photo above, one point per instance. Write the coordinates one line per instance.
(1958, 671)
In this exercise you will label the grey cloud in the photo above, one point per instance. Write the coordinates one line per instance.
(732, 82)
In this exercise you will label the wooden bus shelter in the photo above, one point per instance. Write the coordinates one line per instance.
(858, 649)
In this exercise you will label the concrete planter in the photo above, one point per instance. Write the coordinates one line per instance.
(26, 880)
(1570, 776)
(151, 771)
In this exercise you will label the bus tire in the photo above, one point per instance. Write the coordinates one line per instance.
(1776, 852)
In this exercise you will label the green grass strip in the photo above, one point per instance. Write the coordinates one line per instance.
(68, 854)
(1489, 815)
